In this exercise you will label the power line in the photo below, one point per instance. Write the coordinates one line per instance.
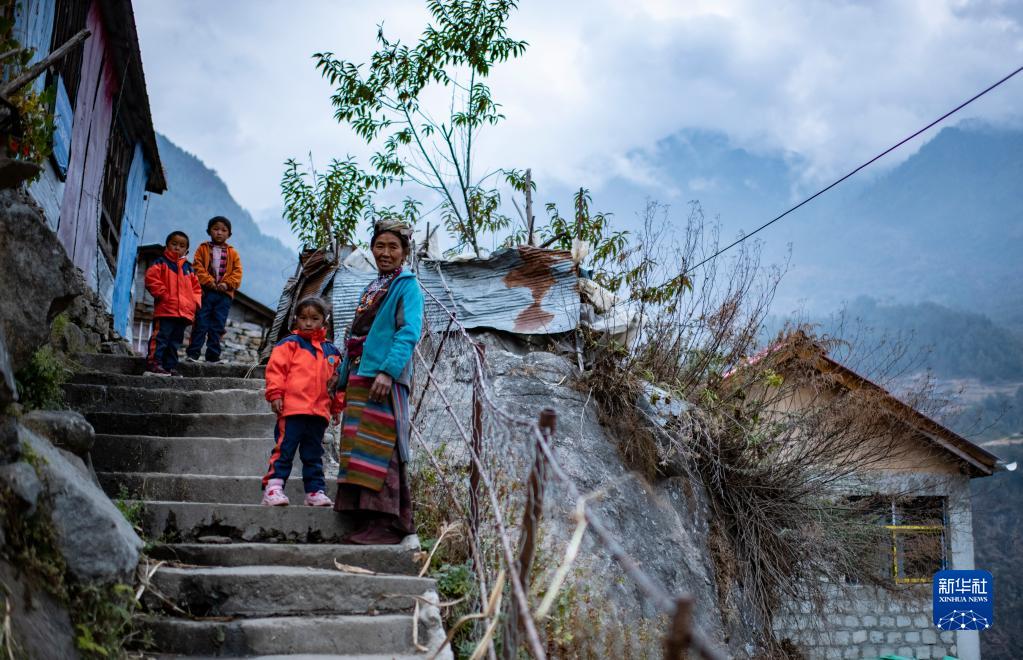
(866, 164)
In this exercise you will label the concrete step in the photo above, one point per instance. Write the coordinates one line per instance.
(245, 489)
(166, 383)
(256, 591)
(106, 398)
(177, 522)
(303, 656)
(393, 559)
(245, 457)
(136, 365)
(343, 636)
(182, 425)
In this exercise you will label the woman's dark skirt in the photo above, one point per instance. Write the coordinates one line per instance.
(393, 500)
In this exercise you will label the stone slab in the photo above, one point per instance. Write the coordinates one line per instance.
(326, 635)
(106, 398)
(394, 559)
(246, 489)
(236, 425)
(246, 457)
(136, 365)
(256, 590)
(188, 521)
(167, 383)
(309, 656)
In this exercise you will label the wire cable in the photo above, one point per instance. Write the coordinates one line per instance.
(866, 164)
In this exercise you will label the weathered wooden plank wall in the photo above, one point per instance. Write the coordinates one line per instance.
(131, 233)
(79, 215)
(63, 124)
(33, 28)
(48, 192)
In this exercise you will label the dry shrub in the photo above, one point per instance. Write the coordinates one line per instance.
(775, 438)
(617, 388)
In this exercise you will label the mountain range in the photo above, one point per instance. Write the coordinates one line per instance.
(194, 195)
(944, 226)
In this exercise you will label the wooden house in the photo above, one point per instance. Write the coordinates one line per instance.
(93, 189)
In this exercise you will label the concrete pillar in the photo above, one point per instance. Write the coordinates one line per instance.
(960, 534)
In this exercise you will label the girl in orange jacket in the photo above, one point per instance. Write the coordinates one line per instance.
(176, 295)
(296, 387)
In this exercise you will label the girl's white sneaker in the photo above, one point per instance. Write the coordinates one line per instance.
(319, 498)
(274, 493)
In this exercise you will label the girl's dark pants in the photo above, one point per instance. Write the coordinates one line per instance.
(210, 325)
(305, 434)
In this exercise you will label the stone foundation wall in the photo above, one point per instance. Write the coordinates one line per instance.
(866, 622)
(241, 343)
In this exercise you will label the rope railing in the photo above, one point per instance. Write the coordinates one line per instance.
(512, 473)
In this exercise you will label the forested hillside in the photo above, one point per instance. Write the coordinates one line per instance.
(195, 194)
(952, 343)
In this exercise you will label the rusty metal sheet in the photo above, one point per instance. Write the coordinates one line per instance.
(521, 290)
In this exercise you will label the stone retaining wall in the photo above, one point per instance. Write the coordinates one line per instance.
(867, 622)
(241, 343)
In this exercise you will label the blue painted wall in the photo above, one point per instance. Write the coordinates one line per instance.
(63, 121)
(33, 28)
(131, 233)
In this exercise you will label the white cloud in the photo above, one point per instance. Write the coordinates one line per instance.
(832, 82)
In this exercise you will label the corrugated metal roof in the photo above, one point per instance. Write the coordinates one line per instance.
(524, 290)
(313, 278)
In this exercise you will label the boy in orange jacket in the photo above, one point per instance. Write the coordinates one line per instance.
(220, 274)
(296, 387)
(176, 294)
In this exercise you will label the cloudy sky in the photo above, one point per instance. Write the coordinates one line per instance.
(825, 84)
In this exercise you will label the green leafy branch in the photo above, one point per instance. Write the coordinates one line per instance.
(381, 103)
(324, 208)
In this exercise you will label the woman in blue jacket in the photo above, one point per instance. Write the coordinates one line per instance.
(376, 375)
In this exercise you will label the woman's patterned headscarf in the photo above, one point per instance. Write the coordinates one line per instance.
(394, 225)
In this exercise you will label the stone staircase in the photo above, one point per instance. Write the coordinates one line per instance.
(240, 579)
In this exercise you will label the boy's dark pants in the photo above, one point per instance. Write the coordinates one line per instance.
(210, 324)
(304, 433)
(168, 333)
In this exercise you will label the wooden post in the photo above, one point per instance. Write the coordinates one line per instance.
(529, 207)
(29, 74)
(477, 447)
(676, 642)
(534, 498)
(531, 515)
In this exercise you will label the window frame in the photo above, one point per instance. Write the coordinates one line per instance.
(896, 529)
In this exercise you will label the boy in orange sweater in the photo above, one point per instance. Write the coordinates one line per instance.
(176, 295)
(220, 273)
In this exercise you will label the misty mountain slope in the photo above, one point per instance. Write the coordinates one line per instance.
(944, 225)
(952, 343)
(195, 194)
